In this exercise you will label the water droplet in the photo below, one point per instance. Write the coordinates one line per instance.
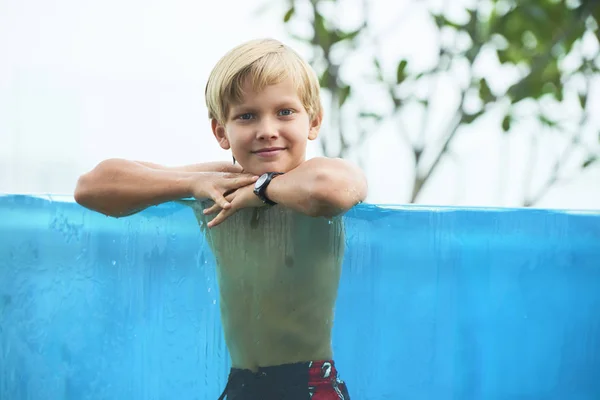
(209, 289)
(114, 262)
(214, 302)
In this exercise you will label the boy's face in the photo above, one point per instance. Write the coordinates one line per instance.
(268, 130)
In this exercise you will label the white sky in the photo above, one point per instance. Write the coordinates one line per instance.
(81, 81)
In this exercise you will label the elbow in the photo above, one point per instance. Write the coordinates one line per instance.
(82, 190)
(88, 183)
(91, 185)
(87, 195)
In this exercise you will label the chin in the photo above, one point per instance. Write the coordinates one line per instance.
(272, 166)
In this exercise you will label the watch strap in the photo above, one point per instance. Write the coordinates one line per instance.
(261, 190)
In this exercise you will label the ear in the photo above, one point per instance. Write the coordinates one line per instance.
(219, 132)
(315, 126)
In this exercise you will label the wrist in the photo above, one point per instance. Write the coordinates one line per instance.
(268, 192)
(262, 185)
(187, 183)
(271, 193)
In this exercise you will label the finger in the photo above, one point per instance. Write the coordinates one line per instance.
(215, 208)
(220, 200)
(228, 193)
(222, 216)
(234, 175)
(212, 209)
(241, 181)
(232, 168)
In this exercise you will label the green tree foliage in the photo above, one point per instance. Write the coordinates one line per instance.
(542, 40)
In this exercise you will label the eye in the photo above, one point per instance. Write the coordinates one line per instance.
(286, 112)
(245, 116)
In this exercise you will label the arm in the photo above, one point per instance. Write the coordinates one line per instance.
(120, 187)
(215, 166)
(320, 187)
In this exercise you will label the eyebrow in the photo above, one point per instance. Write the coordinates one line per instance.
(239, 110)
(283, 103)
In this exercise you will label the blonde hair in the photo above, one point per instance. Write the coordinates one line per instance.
(265, 62)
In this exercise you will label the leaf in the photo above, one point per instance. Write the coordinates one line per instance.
(535, 86)
(473, 27)
(439, 20)
(321, 33)
(511, 54)
(485, 93)
(442, 21)
(344, 93)
(470, 118)
(506, 123)
(589, 161)
(400, 72)
(324, 79)
(547, 121)
(583, 100)
(341, 35)
(377, 64)
(288, 15)
(559, 93)
(370, 115)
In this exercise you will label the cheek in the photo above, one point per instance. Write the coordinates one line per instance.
(301, 129)
(237, 138)
(232, 134)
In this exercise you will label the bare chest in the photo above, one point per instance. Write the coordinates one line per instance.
(276, 247)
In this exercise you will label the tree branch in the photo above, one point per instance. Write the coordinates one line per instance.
(558, 165)
(422, 179)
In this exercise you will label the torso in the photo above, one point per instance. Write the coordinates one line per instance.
(278, 273)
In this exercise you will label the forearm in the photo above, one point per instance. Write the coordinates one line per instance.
(120, 187)
(319, 187)
(213, 166)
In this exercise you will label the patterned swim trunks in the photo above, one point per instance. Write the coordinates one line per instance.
(316, 380)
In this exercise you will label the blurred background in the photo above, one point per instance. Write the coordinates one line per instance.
(471, 103)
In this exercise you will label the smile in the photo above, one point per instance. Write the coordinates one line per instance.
(269, 152)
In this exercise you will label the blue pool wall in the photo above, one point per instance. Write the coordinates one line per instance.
(434, 303)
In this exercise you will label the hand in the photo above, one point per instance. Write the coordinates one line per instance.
(215, 185)
(240, 198)
(227, 167)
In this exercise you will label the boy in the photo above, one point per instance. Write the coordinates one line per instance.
(273, 222)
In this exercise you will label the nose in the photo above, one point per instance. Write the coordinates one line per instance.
(267, 129)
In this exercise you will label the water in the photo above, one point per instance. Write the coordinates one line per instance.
(434, 304)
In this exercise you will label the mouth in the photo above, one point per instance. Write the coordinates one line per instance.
(269, 151)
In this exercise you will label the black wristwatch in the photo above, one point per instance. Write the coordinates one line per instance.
(261, 184)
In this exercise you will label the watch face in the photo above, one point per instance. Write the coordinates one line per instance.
(261, 180)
